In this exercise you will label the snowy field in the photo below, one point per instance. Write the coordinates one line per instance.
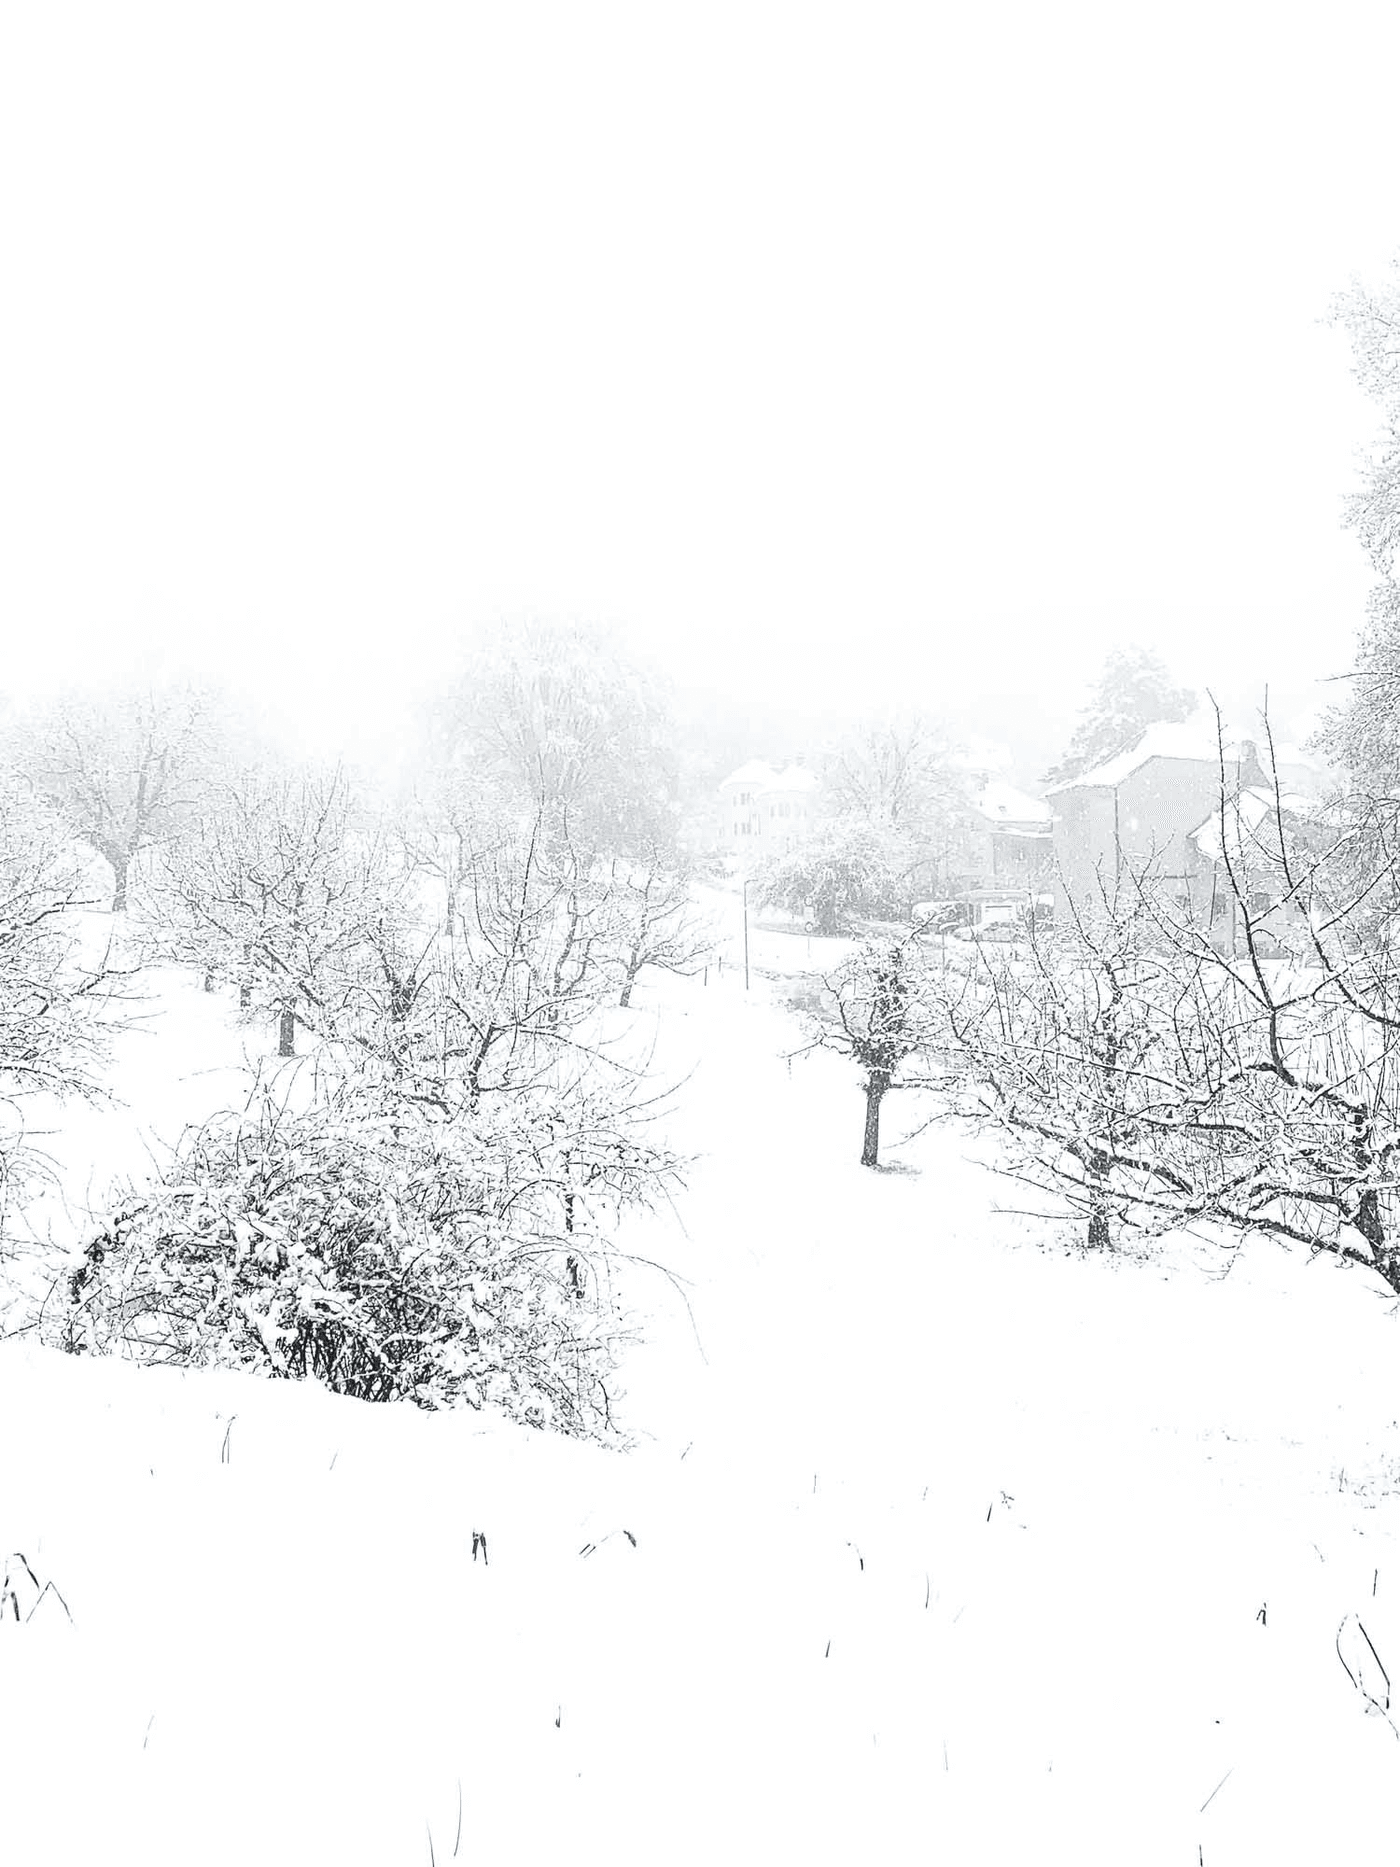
(939, 1540)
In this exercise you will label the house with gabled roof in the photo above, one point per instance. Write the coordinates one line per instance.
(767, 810)
(1247, 851)
(1010, 836)
(1137, 813)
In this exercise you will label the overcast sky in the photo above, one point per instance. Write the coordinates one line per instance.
(916, 353)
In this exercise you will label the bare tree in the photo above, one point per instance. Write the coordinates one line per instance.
(56, 1008)
(895, 772)
(656, 921)
(1069, 1052)
(285, 889)
(1157, 1074)
(127, 771)
(523, 968)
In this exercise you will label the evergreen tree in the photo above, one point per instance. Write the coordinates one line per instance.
(1133, 692)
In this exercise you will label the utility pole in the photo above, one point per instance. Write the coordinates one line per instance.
(746, 934)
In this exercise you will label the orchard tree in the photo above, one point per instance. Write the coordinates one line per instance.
(1133, 692)
(1159, 1077)
(656, 923)
(521, 973)
(128, 771)
(439, 1225)
(1067, 1051)
(285, 890)
(874, 1011)
(55, 1003)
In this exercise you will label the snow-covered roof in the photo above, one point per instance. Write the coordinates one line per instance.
(1003, 803)
(1243, 816)
(756, 773)
(794, 778)
(1194, 738)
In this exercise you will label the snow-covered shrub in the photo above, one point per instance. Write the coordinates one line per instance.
(371, 1245)
(849, 868)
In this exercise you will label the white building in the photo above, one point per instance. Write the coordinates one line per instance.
(767, 812)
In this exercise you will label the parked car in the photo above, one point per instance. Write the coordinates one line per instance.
(999, 930)
(939, 917)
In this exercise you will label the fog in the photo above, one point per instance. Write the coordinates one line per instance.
(831, 356)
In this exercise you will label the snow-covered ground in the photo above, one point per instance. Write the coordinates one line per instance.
(940, 1541)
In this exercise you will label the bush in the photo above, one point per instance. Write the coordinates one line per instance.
(849, 868)
(369, 1245)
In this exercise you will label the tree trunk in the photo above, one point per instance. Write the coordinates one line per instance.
(208, 981)
(286, 1032)
(120, 867)
(1100, 1232)
(1370, 1222)
(874, 1096)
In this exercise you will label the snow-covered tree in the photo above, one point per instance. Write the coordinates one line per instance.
(1133, 692)
(1156, 1076)
(555, 725)
(55, 1010)
(895, 771)
(656, 922)
(284, 889)
(1370, 316)
(518, 978)
(1064, 1052)
(874, 1009)
(849, 868)
(126, 770)
(1361, 737)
